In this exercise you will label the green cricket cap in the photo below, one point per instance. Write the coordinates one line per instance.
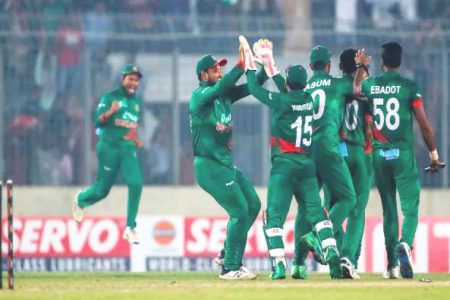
(296, 76)
(319, 53)
(208, 61)
(131, 69)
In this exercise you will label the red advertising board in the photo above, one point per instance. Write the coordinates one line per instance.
(187, 243)
(63, 237)
(204, 237)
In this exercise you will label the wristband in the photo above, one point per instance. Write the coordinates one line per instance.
(434, 155)
(362, 66)
(241, 64)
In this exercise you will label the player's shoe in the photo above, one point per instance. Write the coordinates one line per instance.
(298, 272)
(311, 241)
(279, 272)
(392, 273)
(77, 211)
(348, 269)
(242, 274)
(334, 262)
(219, 258)
(130, 235)
(404, 257)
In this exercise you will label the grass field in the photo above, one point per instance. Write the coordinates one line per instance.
(197, 286)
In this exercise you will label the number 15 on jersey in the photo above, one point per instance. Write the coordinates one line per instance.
(303, 131)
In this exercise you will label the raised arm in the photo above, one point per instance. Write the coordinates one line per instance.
(269, 98)
(241, 91)
(362, 71)
(209, 94)
(280, 83)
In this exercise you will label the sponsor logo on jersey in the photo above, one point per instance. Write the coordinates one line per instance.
(224, 128)
(225, 118)
(125, 123)
(392, 89)
(129, 116)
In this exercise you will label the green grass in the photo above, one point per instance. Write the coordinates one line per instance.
(197, 286)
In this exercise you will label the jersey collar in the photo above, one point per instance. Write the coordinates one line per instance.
(390, 74)
(320, 73)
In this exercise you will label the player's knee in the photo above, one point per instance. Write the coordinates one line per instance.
(136, 185)
(242, 214)
(412, 212)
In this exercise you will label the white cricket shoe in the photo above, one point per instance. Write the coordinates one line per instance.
(242, 274)
(348, 269)
(392, 273)
(130, 235)
(219, 258)
(77, 211)
(405, 259)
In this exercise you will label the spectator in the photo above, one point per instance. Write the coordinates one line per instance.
(45, 71)
(70, 42)
(52, 14)
(98, 25)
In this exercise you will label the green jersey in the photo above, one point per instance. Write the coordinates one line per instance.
(121, 126)
(210, 113)
(292, 120)
(392, 98)
(352, 130)
(329, 96)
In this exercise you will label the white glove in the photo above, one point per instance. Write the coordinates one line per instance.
(248, 55)
(264, 55)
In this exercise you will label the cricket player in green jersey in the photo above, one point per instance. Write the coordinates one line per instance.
(329, 95)
(117, 119)
(355, 148)
(211, 121)
(293, 171)
(394, 101)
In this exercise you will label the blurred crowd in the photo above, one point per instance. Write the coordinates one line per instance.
(45, 43)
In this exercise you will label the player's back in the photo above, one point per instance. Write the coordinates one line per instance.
(352, 128)
(328, 94)
(292, 123)
(391, 97)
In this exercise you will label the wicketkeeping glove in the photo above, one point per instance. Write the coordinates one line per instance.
(264, 55)
(248, 55)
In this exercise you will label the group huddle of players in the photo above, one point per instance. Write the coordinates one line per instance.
(334, 133)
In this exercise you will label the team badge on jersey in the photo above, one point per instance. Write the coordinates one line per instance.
(136, 107)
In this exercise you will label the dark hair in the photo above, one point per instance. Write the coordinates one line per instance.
(319, 66)
(392, 54)
(347, 61)
(295, 86)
